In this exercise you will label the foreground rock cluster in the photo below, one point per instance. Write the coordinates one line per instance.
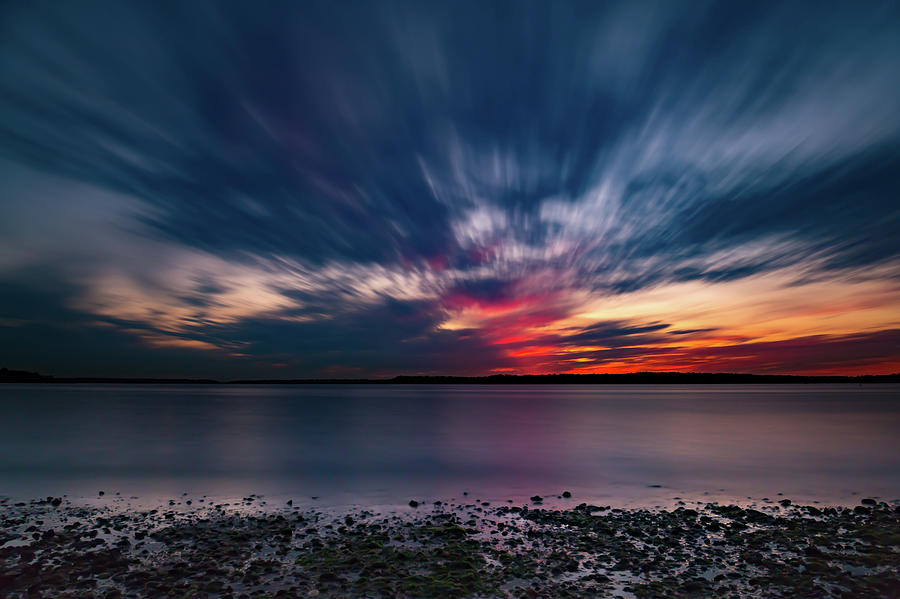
(52, 548)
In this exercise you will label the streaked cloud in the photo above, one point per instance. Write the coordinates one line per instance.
(472, 188)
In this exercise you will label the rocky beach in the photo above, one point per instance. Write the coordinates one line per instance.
(549, 547)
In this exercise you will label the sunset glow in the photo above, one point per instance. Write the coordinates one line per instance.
(385, 190)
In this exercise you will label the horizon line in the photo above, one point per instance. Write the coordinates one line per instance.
(648, 377)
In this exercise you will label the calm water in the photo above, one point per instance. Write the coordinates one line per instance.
(378, 445)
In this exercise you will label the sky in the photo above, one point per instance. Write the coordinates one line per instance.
(350, 189)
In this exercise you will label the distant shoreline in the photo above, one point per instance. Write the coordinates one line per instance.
(636, 378)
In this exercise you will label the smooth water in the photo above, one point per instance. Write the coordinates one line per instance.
(385, 444)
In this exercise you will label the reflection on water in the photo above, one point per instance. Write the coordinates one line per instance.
(384, 444)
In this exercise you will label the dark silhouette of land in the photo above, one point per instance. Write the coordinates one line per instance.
(633, 378)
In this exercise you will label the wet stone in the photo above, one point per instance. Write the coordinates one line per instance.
(452, 550)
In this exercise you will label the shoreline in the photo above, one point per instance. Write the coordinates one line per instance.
(52, 547)
(632, 378)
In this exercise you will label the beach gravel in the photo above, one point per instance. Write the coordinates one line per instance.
(55, 548)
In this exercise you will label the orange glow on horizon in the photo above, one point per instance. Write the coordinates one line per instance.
(768, 323)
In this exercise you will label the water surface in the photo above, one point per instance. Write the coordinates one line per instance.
(384, 444)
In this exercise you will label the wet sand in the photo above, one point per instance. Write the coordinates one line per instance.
(195, 547)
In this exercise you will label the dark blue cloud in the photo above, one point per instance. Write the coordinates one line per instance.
(464, 149)
(359, 130)
(613, 332)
